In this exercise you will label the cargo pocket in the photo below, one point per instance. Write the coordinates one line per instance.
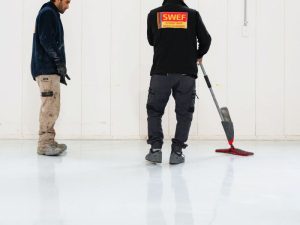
(47, 94)
(192, 105)
(151, 94)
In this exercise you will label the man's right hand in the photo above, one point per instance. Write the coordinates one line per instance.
(199, 61)
(62, 71)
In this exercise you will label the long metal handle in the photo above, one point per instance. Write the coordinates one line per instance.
(211, 91)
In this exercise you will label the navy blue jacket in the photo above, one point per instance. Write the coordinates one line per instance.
(48, 51)
(177, 44)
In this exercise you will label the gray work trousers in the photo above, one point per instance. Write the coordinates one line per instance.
(183, 89)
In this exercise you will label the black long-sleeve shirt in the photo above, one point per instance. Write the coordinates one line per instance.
(179, 38)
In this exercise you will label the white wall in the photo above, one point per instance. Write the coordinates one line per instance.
(257, 76)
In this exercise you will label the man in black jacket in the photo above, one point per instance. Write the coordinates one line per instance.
(175, 31)
(48, 68)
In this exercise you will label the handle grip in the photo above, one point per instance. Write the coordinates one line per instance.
(205, 76)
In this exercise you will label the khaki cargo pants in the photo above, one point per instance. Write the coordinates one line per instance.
(50, 95)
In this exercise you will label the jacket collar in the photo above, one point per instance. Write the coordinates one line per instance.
(51, 5)
(176, 2)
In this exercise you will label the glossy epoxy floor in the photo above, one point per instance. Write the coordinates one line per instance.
(108, 182)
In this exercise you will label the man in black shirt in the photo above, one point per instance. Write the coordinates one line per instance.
(180, 41)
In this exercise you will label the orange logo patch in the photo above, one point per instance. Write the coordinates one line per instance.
(175, 20)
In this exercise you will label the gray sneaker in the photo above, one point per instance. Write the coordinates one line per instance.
(154, 156)
(61, 146)
(50, 150)
(176, 158)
